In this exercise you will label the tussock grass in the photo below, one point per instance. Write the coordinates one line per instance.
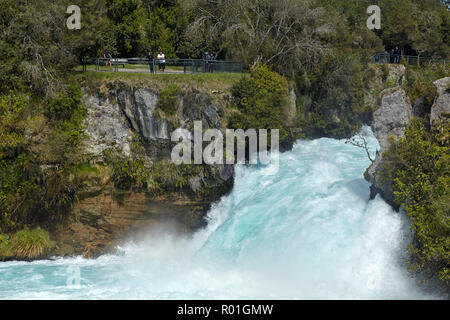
(30, 244)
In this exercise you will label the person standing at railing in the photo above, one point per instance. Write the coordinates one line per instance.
(161, 61)
(212, 58)
(150, 60)
(391, 56)
(206, 58)
(108, 57)
(397, 55)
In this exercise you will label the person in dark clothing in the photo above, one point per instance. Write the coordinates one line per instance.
(391, 56)
(212, 59)
(397, 55)
(151, 61)
(206, 58)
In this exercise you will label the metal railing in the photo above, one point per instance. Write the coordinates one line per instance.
(388, 58)
(155, 66)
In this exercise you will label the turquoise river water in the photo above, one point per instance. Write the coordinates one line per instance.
(306, 230)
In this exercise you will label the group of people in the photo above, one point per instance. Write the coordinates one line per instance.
(208, 58)
(161, 57)
(392, 56)
(395, 55)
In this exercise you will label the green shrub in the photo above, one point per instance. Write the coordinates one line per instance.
(419, 82)
(128, 172)
(336, 87)
(30, 244)
(259, 100)
(168, 99)
(421, 89)
(418, 167)
(65, 105)
(12, 123)
(29, 194)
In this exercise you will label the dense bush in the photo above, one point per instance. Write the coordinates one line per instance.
(336, 88)
(419, 82)
(260, 100)
(30, 193)
(13, 122)
(168, 99)
(418, 168)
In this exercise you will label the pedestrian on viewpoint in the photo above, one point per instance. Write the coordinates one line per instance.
(161, 61)
(212, 59)
(397, 55)
(391, 56)
(150, 60)
(206, 58)
(108, 57)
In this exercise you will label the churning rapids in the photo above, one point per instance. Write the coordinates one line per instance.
(305, 231)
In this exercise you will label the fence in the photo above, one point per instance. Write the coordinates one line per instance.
(384, 58)
(140, 65)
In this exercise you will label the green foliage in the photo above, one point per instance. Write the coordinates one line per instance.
(259, 100)
(128, 18)
(31, 244)
(29, 193)
(419, 169)
(67, 113)
(12, 123)
(336, 88)
(168, 99)
(64, 106)
(128, 172)
(157, 177)
(419, 82)
(5, 247)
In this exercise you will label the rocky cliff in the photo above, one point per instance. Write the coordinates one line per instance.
(392, 118)
(389, 121)
(117, 119)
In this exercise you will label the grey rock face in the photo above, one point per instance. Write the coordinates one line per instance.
(226, 172)
(105, 127)
(419, 108)
(440, 111)
(292, 104)
(195, 183)
(391, 119)
(139, 108)
(396, 73)
(197, 106)
(211, 115)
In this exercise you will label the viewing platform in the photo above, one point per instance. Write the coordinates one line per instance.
(171, 66)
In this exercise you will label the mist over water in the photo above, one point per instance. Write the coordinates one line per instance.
(304, 231)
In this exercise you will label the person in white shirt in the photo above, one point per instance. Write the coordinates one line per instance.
(162, 61)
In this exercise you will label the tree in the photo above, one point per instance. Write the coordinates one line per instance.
(127, 17)
(283, 33)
